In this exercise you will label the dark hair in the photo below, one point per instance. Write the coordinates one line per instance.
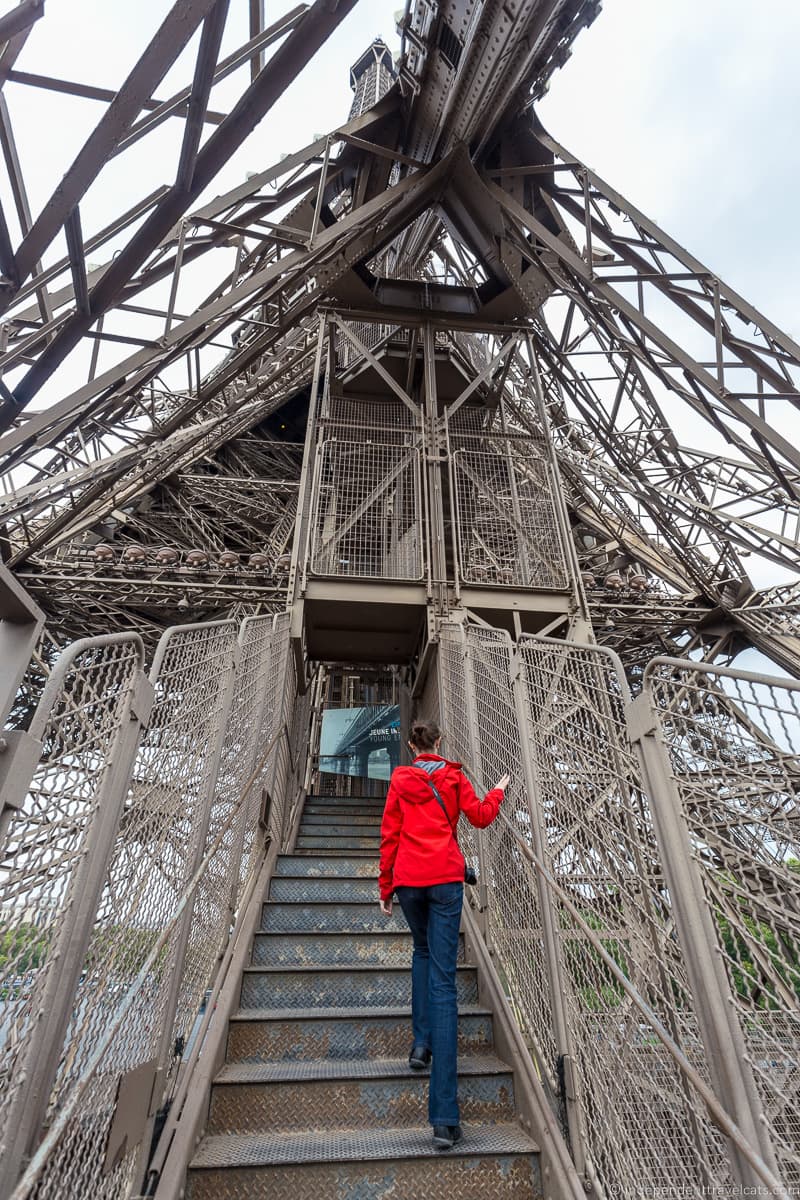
(424, 734)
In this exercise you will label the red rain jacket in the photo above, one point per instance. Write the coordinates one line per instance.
(417, 845)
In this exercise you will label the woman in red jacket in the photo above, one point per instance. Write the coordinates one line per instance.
(421, 862)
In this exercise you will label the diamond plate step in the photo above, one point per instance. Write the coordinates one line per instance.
(348, 947)
(348, 801)
(328, 830)
(338, 889)
(342, 812)
(382, 1164)
(337, 844)
(339, 987)
(293, 865)
(349, 1034)
(322, 917)
(254, 1098)
(341, 816)
(317, 851)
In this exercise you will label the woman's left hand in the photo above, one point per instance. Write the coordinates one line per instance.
(386, 907)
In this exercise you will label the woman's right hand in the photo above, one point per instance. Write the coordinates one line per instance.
(503, 783)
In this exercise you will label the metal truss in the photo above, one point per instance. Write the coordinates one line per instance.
(442, 196)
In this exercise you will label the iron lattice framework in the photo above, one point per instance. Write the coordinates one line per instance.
(164, 479)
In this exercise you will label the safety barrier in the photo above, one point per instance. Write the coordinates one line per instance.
(607, 913)
(123, 864)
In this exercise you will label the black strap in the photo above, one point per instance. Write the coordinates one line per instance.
(435, 791)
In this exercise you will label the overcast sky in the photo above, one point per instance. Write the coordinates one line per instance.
(690, 108)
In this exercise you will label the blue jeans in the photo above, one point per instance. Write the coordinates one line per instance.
(434, 916)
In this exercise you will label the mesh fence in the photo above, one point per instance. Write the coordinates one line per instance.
(42, 867)
(589, 952)
(733, 740)
(367, 511)
(179, 857)
(506, 525)
(642, 1118)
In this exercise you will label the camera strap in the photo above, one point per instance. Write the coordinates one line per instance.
(440, 801)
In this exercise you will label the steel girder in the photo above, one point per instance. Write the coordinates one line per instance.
(396, 196)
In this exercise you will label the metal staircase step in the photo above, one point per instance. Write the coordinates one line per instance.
(337, 889)
(327, 1036)
(339, 987)
(341, 816)
(490, 1161)
(327, 830)
(341, 811)
(293, 865)
(336, 852)
(322, 916)
(348, 947)
(352, 801)
(336, 843)
(253, 1099)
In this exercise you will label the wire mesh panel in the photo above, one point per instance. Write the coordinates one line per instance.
(506, 523)
(280, 756)
(77, 721)
(231, 824)
(367, 505)
(643, 1118)
(162, 822)
(367, 511)
(165, 909)
(553, 715)
(733, 740)
(515, 916)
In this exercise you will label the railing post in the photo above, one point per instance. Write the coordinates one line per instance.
(550, 939)
(717, 1024)
(475, 743)
(21, 622)
(43, 1052)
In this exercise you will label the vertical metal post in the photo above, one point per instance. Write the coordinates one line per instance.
(300, 545)
(433, 460)
(21, 622)
(455, 512)
(719, 1029)
(550, 939)
(42, 1053)
(312, 755)
(195, 854)
(475, 743)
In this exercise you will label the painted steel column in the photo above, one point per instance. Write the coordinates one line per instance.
(43, 1053)
(722, 1037)
(436, 549)
(550, 938)
(21, 622)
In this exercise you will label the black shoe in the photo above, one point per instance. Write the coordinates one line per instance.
(419, 1058)
(446, 1136)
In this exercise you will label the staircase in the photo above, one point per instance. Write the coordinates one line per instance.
(316, 1097)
